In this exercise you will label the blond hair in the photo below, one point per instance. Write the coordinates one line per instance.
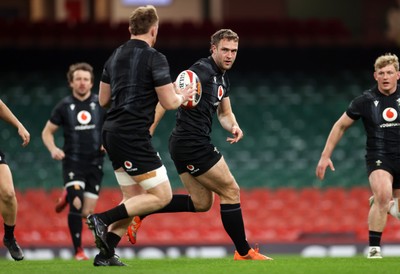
(142, 19)
(385, 60)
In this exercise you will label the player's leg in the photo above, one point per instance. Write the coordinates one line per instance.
(8, 207)
(395, 205)
(158, 194)
(117, 229)
(93, 179)
(204, 199)
(381, 186)
(220, 180)
(75, 198)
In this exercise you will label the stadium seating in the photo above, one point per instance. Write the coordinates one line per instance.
(285, 121)
(271, 216)
(256, 32)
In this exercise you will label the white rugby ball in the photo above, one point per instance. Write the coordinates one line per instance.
(185, 78)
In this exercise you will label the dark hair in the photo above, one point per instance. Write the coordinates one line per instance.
(79, 66)
(223, 34)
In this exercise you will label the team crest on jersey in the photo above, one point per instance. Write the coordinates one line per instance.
(389, 114)
(220, 92)
(84, 117)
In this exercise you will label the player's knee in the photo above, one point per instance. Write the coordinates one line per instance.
(86, 212)
(75, 199)
(231, 194)
(165, 199)
(8, 196)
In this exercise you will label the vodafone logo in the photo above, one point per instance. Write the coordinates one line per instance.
(84, 117)
(190, 167)
(128, 164)
(389, 114)
(220, 92)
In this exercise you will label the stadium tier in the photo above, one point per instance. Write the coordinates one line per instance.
(287, 215)
(285, 121)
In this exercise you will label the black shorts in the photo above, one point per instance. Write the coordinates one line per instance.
(391, 166)
(134, 153)
(193, 158)
(91, 175)
(2, 158)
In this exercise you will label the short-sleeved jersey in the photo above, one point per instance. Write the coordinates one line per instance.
(195, 125)
(381, 119)
(82, 123)
(133, 71)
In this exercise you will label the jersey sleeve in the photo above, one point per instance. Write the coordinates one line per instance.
(105, 76)
(56, 116)
(354, 108)
(160, 70)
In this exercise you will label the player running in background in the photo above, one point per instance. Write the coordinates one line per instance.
(8, 200)
(81, 118)
(379, 110)
(134, 79)
(201, 167)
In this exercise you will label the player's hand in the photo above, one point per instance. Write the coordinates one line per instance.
(321, 167)
(188, 92)
(237, 135)
(103, 149)
(57, 154)
(25, 136)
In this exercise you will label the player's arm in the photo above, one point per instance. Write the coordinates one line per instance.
(334, 137)
(160, 111)
(228, 121)
(104, 94)
(7, 115)
(48, 140)
(170, 97)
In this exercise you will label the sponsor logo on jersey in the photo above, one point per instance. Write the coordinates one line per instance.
(84, 117)
(220, 92)
(129, 166)
(389, 115)
(192, 169)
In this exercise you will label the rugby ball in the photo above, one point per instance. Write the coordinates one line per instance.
(185, 78)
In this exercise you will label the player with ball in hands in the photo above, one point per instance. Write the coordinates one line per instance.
(379, 109)
(135, 78)
(201, 167)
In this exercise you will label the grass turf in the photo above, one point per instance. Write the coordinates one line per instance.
(280, 264)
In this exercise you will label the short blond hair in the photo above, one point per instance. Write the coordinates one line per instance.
(142, 19)
(385, 60)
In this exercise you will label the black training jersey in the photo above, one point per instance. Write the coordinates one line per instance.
(380, 116)
(82, 124)
(133, 71)
(196, 124)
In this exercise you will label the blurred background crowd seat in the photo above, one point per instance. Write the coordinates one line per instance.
(63, 34)
(279, 215)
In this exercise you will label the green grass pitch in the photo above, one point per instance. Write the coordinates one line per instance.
(280, 264)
